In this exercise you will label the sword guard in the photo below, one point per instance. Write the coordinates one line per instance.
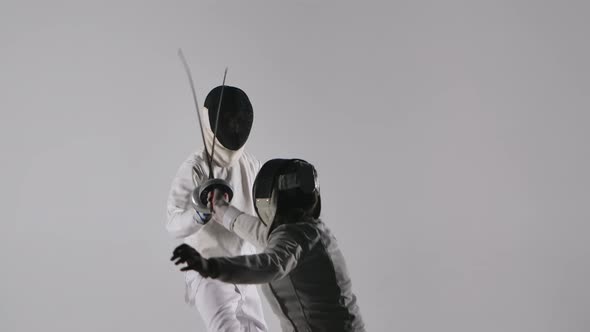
(202, 192)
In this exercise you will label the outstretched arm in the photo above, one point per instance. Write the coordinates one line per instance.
(286, 246)
(278, 259)
(248, 227)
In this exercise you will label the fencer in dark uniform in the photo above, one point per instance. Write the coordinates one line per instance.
(303, 271)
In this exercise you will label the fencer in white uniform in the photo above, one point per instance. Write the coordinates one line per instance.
(224, 307)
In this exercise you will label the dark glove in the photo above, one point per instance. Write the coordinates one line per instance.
(194, 261)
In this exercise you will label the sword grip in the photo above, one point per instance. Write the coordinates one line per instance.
(210, 185)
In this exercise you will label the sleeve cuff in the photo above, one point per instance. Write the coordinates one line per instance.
(230, 216)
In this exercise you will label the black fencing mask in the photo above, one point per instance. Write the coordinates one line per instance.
(235, 117)
(286, 188)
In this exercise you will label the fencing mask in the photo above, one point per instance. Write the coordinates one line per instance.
(235, 117)
(286, 188)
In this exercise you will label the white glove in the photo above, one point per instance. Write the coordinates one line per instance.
(223, 212)
(202, 213)
(202, 217)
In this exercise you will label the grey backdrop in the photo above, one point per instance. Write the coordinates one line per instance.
(451, 140)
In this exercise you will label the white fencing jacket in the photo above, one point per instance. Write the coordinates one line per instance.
(239, 169)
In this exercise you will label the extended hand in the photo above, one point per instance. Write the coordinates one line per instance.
(194, 261)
